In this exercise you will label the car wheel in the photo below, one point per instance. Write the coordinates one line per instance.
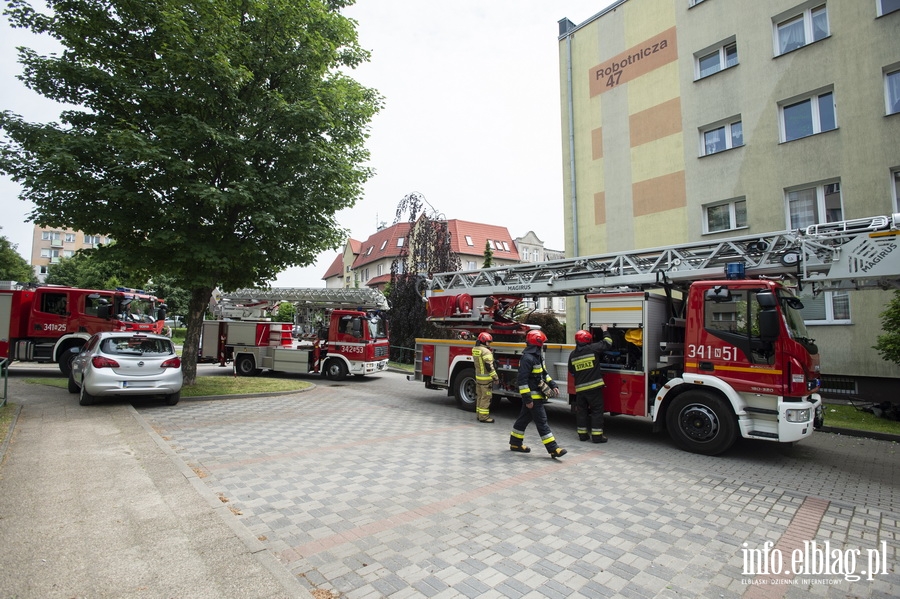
(65, 362)
(173, 398)
(86, 399)
(73, 386)
(701, 423)
(335, 370)
(245, 365)
(464, 390)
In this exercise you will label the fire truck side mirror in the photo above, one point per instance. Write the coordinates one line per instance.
(768, 325)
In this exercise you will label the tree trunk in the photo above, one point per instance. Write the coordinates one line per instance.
(191, 350)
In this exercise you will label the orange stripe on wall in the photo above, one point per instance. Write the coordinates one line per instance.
(659, 194)
(600, 208)
(656, 122)
(597, 143)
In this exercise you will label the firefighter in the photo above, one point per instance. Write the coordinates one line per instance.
(536, 386)
(485, 376)
(584, 366)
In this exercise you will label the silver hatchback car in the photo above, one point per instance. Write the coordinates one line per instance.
(126, 363)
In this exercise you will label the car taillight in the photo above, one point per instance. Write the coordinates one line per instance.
(172, 363)
(103, 362)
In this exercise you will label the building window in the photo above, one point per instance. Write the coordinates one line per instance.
(470, 265)
(469, 241)
(505, 247)
(379, 270)
(498, 245)
(895, 188)
(887, 6)
(70, 237)
(892, 91)
(725, 216)
(91, 239)
(801, 28)
(814, 205)
(400, 242)
(694, 2)
(716, 59)
(831, 307)
(383, 245)
(809, 116)
(720, 137)
(369, 251)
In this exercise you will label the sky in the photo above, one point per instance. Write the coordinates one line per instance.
(471, 116)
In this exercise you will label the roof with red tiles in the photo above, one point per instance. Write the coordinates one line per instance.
(386, 243)
(336, 269)
(468, 239)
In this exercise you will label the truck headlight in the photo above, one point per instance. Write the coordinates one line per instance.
(797, 415)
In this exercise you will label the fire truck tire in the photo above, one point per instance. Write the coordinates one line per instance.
(464, 389)
(335, 370)
(73, 386)
(701, 423)
(86, 399)
(65, 361)
(245, 365)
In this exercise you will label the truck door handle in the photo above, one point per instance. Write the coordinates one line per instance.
(706, 366)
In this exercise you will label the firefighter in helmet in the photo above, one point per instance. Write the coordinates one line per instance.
(535, 385)
(584, 366)
(485, 376)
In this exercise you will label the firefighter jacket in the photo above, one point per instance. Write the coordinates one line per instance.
(584, 365)
(534, 380)
(484, 364)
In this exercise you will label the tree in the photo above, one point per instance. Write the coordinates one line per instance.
(888, 345)
(552, 327)
(214, 141)
(88, 271)
(13, 267)
(488, 255)
(428, 251)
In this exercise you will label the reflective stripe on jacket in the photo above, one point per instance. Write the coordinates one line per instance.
(532, 373)
(584, 364)
(483, 358)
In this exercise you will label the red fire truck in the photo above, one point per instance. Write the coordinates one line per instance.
(708, 339)
(41, 324)
(336, 332)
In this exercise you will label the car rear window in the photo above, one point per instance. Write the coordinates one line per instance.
(137, 346)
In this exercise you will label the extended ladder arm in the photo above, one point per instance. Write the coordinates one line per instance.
(337, 298)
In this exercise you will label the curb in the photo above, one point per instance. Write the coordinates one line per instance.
(849, 432)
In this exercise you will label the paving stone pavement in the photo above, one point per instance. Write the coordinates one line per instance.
(381, 488)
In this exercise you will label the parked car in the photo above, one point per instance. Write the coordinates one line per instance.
(125, 363)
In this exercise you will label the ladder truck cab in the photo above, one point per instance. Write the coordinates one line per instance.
(708, 340)
(335, 333)
(46, 323)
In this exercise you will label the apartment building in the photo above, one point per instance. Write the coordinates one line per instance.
(692, 120)
(49, 245)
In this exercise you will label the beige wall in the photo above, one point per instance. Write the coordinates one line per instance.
(640, 180)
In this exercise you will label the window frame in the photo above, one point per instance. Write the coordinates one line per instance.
(880, 8)
(720, 50)
(828, 299)
(821, 207)
(895, 187)
(803, 12)
(732, 215)
(815, 113)
(891, 81)
(727, 125)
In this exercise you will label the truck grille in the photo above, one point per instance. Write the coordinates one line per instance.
(381, 351)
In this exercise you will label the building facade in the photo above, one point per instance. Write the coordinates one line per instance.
(50, 245)
(692, 120)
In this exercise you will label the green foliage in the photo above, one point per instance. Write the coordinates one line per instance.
(552, 327)
(89, 271)
(14, 267)
(428, 251)
(488, 255)
(888, 344)
(285, 312)
(214, 141)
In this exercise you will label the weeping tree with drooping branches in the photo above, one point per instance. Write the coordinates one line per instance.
(428, 251)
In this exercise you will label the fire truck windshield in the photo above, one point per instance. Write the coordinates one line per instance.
(791, 306)
(377, 327)
(136, 309)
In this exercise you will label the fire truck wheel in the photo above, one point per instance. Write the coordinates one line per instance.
(73, 386)
(335, 370)
(464, 389)
(701, 423)
(245, 365)
(65, 362)
(86, 399)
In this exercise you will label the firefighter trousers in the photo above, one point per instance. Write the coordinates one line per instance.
(589, 414)
(538, 414)
(484, 392)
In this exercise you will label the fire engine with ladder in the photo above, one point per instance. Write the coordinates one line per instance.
(336, 332)
(708, 339)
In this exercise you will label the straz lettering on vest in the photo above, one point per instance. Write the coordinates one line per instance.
(613, 72)
(583, 363)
